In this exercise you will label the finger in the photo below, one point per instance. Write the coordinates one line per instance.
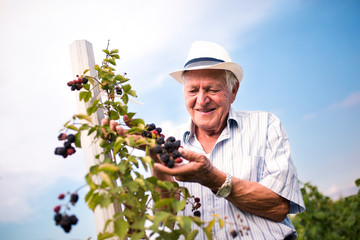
(177, 170)
(119, 130)
(189, 155)
(104, 121)
(113, 125)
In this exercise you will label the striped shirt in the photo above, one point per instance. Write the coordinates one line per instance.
(254, 147)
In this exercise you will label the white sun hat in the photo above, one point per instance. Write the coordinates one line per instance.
(208, 55)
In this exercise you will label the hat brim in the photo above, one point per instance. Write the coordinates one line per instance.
(231, 66)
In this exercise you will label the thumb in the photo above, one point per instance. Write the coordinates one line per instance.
(189, 155)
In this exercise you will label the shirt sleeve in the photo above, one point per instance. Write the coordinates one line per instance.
(279, 173)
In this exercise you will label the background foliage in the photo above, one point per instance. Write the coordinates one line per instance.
(328, 219)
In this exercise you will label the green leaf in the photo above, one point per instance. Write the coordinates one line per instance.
(108, 167)
(86, 70)
(125, 98)
(121, 228)
(78, 139)
(83, 116)
(118, 144)
(357, 182)
(179, 205)
(91, 80)
(86, 86)
(192, 235)
(93, 108)
(84, 95)
(132, 93)
(113, 115)
(126, 88)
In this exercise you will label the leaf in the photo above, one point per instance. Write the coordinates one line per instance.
(83, 116)
(93, 108)
(108, 167)
(125, 98)
(86, 86)
(126, 88)
(113, 115)
(192, 235)
(118, 144)
(78, 139)
(221, 223)
(72, 127)
(357, 182)
(179, 205)
(86, 70)
(84, 95)
(106, 178)
(121, 228)
(132, 93)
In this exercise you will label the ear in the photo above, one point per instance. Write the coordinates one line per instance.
(234, 91)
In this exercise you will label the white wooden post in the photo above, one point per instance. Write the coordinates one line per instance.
(82, 58)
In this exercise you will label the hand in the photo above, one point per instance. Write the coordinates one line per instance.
(199, 169)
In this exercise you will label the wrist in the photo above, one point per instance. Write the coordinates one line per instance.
(226, 187)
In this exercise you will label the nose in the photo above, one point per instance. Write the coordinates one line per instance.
(202, 98)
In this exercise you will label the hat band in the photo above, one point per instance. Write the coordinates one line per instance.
(202, 61)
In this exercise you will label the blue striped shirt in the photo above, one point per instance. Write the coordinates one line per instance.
(254, 147)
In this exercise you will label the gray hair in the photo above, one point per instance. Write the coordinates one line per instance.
(230, 78)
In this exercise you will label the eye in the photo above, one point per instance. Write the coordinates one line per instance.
(214, 90)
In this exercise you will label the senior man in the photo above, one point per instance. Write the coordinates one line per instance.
(238, 162)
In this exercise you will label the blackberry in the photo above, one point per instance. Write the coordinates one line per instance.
(118, 90)
(177, 144)
(159, 130)
(169, 146)
(71, 138)
(84, 80)
(65, 223)
(157, 149)
(57, 218)
(150, 127)
(170, 163)
(60, 151)
(74, 198)
(160, 141)
(233, 233)
(73, 220)
(165, 157)
(176, 154)
(67, 144)
(62, 136)
(73, 87)
(170, 139)
(197, 214)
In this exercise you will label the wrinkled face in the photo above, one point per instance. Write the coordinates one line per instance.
(208, 99)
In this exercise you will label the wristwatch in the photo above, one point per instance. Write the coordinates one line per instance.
(226, 188)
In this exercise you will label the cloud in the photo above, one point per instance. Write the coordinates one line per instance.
(351, 101)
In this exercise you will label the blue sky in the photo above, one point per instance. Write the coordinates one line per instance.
(301, 61)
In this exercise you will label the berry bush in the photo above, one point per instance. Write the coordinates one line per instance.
(147, 204)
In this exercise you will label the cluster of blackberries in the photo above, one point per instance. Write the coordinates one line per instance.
(67, 149)
(151, 131)
(77, 84)
(195, 207)
(168, 150)
(62, 219)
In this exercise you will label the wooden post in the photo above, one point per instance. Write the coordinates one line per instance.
(82, 58)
